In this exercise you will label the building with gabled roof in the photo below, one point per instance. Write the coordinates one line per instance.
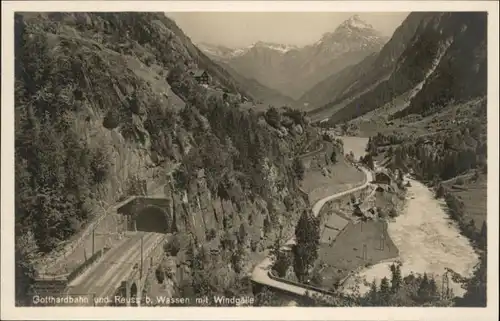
(201, 76)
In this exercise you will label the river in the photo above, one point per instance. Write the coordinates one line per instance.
(428, 241)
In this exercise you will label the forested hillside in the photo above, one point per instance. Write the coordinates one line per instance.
(105, 106)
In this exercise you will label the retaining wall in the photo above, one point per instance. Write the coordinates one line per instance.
(61, 262)
(82, 268)
(49, 288)
(302, 285)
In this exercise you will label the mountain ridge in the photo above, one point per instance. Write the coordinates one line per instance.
(444, 60)
(355, 78)
(292, 70)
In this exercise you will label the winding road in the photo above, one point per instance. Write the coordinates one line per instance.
(260, 273)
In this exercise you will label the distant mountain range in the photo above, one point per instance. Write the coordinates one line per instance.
(222, 53)
(294, 70)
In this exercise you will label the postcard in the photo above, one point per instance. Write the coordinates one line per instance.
(267, 160)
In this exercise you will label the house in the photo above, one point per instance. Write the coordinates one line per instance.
(201, 76)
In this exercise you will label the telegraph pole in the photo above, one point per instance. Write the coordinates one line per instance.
(445, 286)
(93, 241)
(142, 245)
(382, 242)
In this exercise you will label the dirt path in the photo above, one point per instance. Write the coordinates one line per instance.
(427, 240)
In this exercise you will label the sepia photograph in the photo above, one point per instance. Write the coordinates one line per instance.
(212, 158)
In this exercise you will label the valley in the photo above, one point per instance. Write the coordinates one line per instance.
(277, 66)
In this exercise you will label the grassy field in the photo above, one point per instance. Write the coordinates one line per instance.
(341, 177)
(345, 253)
(332, 227)
(474, 195)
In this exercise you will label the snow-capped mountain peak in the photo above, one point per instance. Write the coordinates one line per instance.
(220, 52)
(354, 22)
(352, 34)
(273, 46)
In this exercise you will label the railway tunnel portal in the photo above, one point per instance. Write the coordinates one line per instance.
(147, 214)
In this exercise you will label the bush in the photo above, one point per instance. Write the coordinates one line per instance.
(253, 245)
(273, 117)
(111, 120)
(299, 169)
(333, 157)
(160, 275)
(211, 234)
(282, 262)
(100, 164)
(172, 247)
(316, 278)
(135, 104)
(296, 115)
(136, 186)
(289, 203)
(440, 191)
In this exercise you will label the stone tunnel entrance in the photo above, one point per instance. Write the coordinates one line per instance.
(147, 215)
(152, 219)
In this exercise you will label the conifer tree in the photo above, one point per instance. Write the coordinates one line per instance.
(307, 242)
(475, 295)
(299, 169)
(373, 293)
(396, 278)
(483, 236)
(433, 290)
(423, 290)
(333, 157)
(385, 291)
(242, 234)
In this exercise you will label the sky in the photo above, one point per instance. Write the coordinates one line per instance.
(239, 29)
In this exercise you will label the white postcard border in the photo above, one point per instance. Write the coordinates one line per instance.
(9, 312)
